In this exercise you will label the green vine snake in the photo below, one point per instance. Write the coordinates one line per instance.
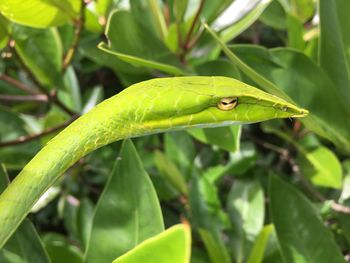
(153, 106)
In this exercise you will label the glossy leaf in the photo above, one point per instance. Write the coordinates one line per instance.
(301, 233)
(321, 166)
(170, 246)
(41, 51)
(246, 208)
(37, 13)
(132, 43)
(334, 46)
(226, 138)
(128, 210)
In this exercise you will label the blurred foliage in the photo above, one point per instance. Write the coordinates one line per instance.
(261, 193)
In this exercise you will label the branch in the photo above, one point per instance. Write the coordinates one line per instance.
(28, 138)
(18, 84)
(79, 25)
(52, 97)
(194, 22)
(295, 168)
(36, 97)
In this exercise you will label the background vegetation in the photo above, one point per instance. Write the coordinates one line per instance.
(271, 192)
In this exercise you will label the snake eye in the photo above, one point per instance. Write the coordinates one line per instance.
(227, 103)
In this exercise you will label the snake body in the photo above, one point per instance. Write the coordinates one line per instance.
(148, 107)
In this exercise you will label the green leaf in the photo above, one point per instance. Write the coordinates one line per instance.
(84, 220)
(41, 52)
(274, 16)
(335, 45)
(306, 84)
(260, 244)
(128, 210)
(60, 250)
(218, 67)
(171, 246)
(226, 138)
(180, 7)
(179, 148)
(38, 13)
(4, 35)
(301, 233)
(321, 166)
(125, 71)
(295, 33)
(149, 14)
(171, 172)
(212, 9)
(208, 217)
(12, 127)
(303, 9)
(129, 41)
(25, 242)
(246, 208)
(140, 62)
(214, 248)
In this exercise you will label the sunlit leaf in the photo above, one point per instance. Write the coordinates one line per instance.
(37, 13)
(170, 246)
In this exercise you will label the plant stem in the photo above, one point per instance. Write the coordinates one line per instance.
(28, 138)
(18, 84)
(79, 25)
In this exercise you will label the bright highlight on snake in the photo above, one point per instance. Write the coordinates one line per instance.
(152, 106)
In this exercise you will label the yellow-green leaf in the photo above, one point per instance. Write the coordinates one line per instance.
(171, 246)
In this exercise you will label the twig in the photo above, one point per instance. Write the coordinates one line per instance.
(194, 22)
(295, 168)
(52, 97)
(36, 97)
(28, 138)
(79, 25)
(18, 84)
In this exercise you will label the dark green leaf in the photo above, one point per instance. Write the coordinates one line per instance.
(300, 230)
(60, 250)
(334, 46)
(41, 52)
(129, 41)
(171, 172)
(246, 208)
(128, 210)
(226, 138)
